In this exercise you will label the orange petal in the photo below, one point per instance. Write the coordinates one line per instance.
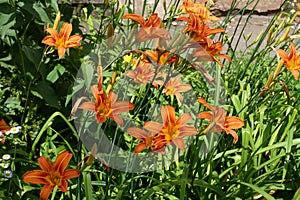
(137, 133)
(205, 115)
(233, 134)
(140, 147)
(295, 74)
(53, 32)
(62, 161)
(71, 173)
(204, 103)
(61, 52)
(183, 18)
(179, 97)
(154, 127)
(179, 142)
(117, 119)
(184, 118)
(35, 177)
(76, 105)
(138, 18)
(45, 163)
(122, 106)
(64, 186)
(65, 30)
(90, 106)
(187, 131)
(183, 88)
(282, 54)
(168, 114)
(232, 122)
(49, 40)
(45, 192)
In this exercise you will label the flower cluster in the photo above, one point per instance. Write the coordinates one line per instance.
(4, 166)
(170, 132)
(199, 31)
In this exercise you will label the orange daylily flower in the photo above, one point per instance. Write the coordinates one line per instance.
(199, 9)
(172, 130)
(52, 174)
(62, 40)
(174, 87)
(149, 29)
(211, 52)
(143, 73)
(219, 121)
(161, 58)
(149, 140)
(3, 126)
(106, 106)
(291, 61)
(3, 129)
(199, 30)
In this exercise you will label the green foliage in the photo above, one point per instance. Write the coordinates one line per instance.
(38, 91)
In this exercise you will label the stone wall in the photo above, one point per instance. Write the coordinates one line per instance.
(222, 5)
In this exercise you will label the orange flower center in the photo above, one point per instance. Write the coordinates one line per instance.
(293, 64)
(104, 109)
(54, 178)
(170, 90)
(60, 42)
(170, 131)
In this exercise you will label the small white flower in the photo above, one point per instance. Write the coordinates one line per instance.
(6, 157)
(1, 134)
(8, 174)
(7, 132)
(15, 130)
(4, 165)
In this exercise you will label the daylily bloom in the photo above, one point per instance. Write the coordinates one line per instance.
(143, 73)
(219, 122)
(211, 52)
(199, 31)
(291, 61)
(52, 174)
(172, 130)
(199, 9)
(149, 29)
(62, 40)
(161, 58)
(106, 106)
(174, 87)
(149, 140)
